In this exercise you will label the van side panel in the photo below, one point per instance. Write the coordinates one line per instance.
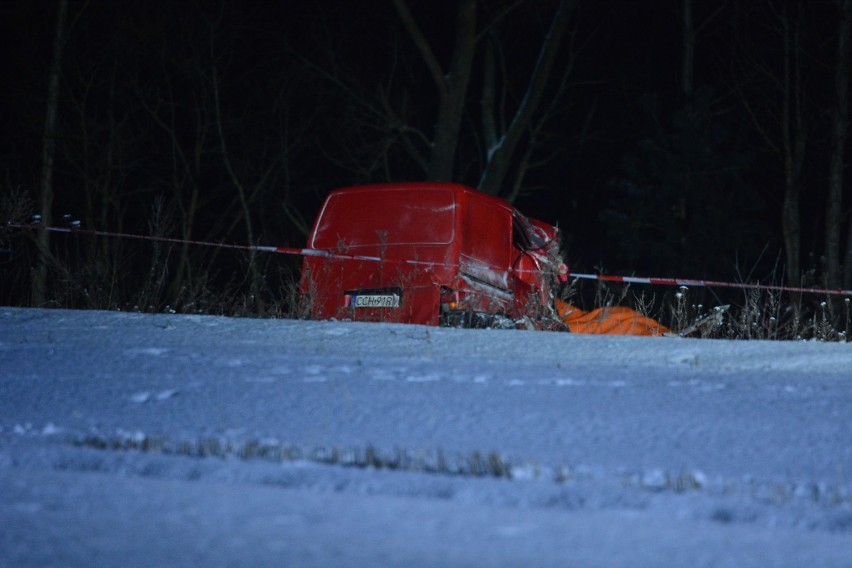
(485, 257)
(487, 241)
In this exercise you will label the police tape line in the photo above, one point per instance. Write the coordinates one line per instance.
(324, 253)
(247, 248)
(709, 284)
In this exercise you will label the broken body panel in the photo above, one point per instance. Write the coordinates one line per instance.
(429, 253)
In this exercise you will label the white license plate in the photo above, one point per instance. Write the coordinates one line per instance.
(375, 301)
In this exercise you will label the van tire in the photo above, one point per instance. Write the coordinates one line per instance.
(475, 320)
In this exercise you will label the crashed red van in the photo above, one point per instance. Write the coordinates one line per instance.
(430, 253)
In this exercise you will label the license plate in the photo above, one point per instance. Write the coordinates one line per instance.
(374, 301)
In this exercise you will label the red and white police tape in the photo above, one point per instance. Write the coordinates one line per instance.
(708, 284)
(315, 252)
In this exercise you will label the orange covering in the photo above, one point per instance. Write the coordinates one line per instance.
(615, 320)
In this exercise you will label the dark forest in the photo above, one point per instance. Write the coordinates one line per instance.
(670, 138)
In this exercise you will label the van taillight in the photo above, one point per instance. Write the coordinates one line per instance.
(451, 300)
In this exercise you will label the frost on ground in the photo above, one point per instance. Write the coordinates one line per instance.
(131, 439)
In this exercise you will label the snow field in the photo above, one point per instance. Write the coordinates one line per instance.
(224, 441)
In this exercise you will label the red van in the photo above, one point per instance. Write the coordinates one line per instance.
(430, 253)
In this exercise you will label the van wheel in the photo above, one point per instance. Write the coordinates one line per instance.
(456, 319)
(475, 320)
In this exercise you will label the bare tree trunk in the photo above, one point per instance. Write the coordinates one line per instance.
(793, 150)
(254, 272)
(452, 86)
(489, 96)
(688, 63)
(500, 155)
(48, 154)
(501, 144)
(847, 262)
(840, 118)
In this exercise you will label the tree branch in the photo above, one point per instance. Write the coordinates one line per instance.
(422, 45)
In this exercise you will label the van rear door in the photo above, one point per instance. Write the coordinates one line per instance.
(391, 220)
(391, 247)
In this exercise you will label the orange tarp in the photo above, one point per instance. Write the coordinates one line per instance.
(616, 320)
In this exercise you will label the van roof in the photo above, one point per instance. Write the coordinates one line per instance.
(456, 188)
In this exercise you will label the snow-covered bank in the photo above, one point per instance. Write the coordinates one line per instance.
(220, 441)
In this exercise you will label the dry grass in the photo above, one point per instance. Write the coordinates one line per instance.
(109, 278)
(759, 314)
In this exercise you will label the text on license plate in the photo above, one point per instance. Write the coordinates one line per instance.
(374, 301)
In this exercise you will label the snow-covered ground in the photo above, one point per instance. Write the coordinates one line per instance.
(152, 440)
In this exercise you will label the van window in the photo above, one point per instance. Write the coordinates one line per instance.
(387, 217)
(525, 235)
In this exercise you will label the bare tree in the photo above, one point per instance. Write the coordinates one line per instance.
(687, 75)
(398, 126)
(792, 145)
(452, 85)
(48, 155)
(502, 153)
(184, 170)
(778, 109)
(847, 264)
(839, 127)
(254, 273)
